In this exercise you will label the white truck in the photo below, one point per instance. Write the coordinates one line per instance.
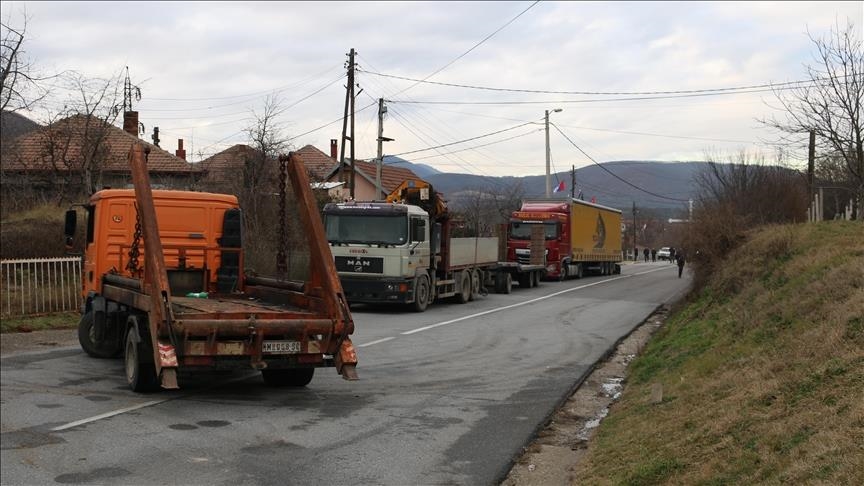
(400, 251)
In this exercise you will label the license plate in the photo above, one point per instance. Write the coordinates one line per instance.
(281, 347)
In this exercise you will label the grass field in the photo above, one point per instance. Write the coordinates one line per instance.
(762, 373)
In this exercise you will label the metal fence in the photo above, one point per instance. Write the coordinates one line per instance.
(40, 285)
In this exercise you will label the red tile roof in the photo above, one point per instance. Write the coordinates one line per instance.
(391, 176)
(226, 166)
(318, 163)
(58, 146)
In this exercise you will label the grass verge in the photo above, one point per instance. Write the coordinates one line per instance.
(762, 373)
(64, 320)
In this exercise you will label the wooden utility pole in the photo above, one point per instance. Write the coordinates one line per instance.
(348, 173)
(811, 169)
(635, 256)
(572, 182)
(380, 159)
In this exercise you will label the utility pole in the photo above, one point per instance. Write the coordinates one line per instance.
(548, 154)
(379, 191)
(548, 157)
(572, 182)
(635, 256)
(349, 103)
(811, 169)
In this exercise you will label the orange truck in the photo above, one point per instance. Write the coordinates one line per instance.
(163, 284)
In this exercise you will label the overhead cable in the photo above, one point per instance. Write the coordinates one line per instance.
(612, 173)
(465, 140)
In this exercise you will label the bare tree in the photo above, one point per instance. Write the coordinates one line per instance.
(830, 104)
(743, 193)
(74, 142)
(20, 87)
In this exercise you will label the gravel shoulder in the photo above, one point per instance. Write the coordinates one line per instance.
(23, 342)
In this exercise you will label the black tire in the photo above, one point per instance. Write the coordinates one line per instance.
(464, 294)
(524, 281)
(109, 347)
(422, 293)
(140, 369)
(475, 284)
(580, 272)
(535, 279)
(295, 378)
(507, 284)
(564, 274)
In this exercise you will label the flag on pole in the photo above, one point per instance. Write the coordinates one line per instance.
(560, 187)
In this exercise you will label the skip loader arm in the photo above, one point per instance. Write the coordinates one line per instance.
(322, 269)
(160, 315)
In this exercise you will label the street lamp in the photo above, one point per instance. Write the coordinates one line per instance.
(548, 153)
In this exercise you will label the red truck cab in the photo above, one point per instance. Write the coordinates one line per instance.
(555, 217)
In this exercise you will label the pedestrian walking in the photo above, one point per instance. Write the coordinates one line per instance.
(672, 254)
(653, 254)
(635, 253)
(679, 258)
(646, 252)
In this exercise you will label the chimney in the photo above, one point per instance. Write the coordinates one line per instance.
(130, 123)
(333, 147)
(180, 152)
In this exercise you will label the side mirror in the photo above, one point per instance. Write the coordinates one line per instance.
(71, 223)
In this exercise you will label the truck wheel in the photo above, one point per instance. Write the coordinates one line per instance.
(565, 272)
(106, 348)
(140, 369)
(297, 377)
(579, 270)
(475, 284)
(422, 293)
(535, 279)
(464, 294)
(507, 283)
(524, 281)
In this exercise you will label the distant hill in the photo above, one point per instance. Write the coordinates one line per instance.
(421, 170)
(12, 125)
(673, 180)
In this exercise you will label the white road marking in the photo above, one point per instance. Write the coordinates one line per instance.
(538, 299)
(136, 407)
(375, 342)
(108, 414)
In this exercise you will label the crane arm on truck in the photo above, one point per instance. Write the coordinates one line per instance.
(420, 193)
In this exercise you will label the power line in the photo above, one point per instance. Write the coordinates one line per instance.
(612, 173)
(465, 140)
(599, 100)
(601, 93)
(480, 146)
(472, 48)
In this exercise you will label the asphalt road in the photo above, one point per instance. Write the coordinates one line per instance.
(448, 396)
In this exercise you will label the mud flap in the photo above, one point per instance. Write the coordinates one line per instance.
(168, 364)
(346, 360)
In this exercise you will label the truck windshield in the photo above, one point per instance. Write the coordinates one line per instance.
(373, 230)
(522, 230)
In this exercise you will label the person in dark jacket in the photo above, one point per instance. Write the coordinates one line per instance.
(653, 254)
(679, 258)
(645, 252)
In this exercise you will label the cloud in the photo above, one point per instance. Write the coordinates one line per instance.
(234, 53)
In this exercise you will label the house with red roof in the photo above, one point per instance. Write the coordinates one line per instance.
(82, 154)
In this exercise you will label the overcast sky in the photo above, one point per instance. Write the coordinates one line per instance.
(204, 68)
